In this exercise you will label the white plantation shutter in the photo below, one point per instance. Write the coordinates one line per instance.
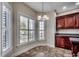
(5, 28)
(31, 30)
(26, 31)
(41, 30)
(23, 29)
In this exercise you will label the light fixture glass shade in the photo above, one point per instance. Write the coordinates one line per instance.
(39, 17)
(44, 17)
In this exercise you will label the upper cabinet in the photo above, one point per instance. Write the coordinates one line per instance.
(68, 21)
(77, 20)
(60, 22)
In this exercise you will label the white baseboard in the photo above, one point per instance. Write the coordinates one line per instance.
(52, 46)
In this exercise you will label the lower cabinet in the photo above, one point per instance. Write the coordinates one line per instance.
(60, 42)
(63, 42)
(67, 43)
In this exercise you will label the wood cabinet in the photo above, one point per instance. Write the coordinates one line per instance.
(60, 42)
(63, 42)
(70, 21)
(60, 22)
(77, 20)
(67, 43)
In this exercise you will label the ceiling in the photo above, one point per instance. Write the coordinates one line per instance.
(51, 6)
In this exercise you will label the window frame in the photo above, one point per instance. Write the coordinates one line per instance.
(41, 30)
(9, 29)
(31, 30)
(18, 26)
(25, 29)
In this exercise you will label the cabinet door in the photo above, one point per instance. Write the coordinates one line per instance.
(67, 43)
(60, 22)
(70, 22)
(77, 20)
(60, 42)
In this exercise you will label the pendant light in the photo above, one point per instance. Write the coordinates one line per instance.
(43, 16)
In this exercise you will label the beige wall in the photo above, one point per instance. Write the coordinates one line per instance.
(21, 7)
(51, 29)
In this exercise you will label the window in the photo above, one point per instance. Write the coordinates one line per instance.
(41, 30)
(6, 13)
(27, 29)
(31, 30)
(23, 29)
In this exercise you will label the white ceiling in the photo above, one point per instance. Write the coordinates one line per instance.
(51, 6)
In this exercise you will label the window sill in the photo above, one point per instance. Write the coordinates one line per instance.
(25, 43)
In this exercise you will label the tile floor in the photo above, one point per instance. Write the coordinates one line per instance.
(45, 51)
